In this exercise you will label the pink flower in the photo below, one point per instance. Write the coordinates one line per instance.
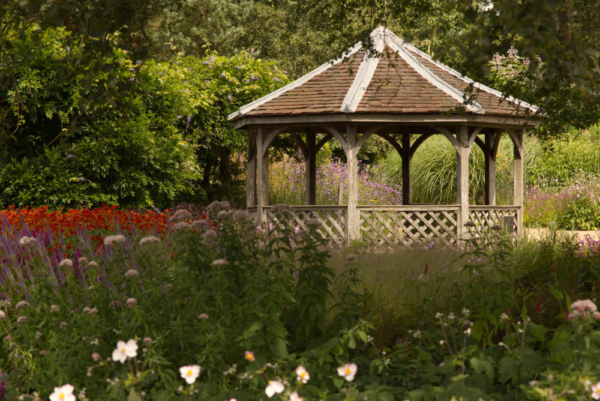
(596, 391)
(249, 355)
(347, 371)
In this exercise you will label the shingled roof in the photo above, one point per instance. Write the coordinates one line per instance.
(402, 80)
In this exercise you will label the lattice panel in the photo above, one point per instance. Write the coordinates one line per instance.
(485, 219)
(394, 227)
(332, 221)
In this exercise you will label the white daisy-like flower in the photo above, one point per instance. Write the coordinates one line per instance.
(125, 350)
(347, 371)
(190, 373)
(302, 375)
(274, 386)
(64, 393)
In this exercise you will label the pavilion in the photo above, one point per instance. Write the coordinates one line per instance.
(405, 97)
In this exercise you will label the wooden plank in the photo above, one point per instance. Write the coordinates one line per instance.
(366, 118)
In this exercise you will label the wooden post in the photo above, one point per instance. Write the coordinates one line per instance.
(490, 170)
(406, 168)
(251, 184)
(518, 178)
(462, 184)
(311, 167)
(352, 168)
(262, 198)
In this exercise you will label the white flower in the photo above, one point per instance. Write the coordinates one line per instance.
(504, 316)
(148, 240)
(190, 373)
(26, 240)
(64, 393)
(111, 239)
(66, 262)
(125, 350)
(132, 273)
(21, 304)
(2, 315)
(131, 302)
(302, 375)
(295, 397)
(219, 262)
(273, 387)
(203, 316)
(596, 391)
(347, 371)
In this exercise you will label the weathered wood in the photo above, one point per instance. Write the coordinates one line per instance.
(300, 143)
(332, 224)
(462, 184)
(251, 183)
(352, 169)
(490, 169)
(411, 208)
(311, 167)
(484, 217)
(323, 141)
(367, 118)
(262, 176)
(518, 177)
(408, 227)
(422, 138)
(406, 168)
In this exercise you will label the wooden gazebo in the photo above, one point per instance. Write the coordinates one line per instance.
(404, 96)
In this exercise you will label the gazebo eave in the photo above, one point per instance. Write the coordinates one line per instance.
(492, 121)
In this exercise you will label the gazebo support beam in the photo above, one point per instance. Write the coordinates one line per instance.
(490, 169)
(463, 149)
(251, 189)
(518, 176)
(353, 222)
(262, 177)
(311, 167)
(406, 168)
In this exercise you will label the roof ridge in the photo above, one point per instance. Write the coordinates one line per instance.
(364, 75)
(391, 40)
(294, 84)
(468, 80)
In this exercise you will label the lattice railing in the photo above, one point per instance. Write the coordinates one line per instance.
(409, 225)
(484, 217)
(332, 220)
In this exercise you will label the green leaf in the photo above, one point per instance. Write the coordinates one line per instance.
(538, 331)
(555, 293)
(338, 382)
(508, 369)
(133, 396)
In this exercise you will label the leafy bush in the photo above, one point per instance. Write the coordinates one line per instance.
(83, 128)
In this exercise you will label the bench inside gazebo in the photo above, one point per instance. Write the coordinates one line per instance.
(405, 97)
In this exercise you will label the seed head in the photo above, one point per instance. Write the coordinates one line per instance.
(219, 262)
(64, 324)
(66, 262)
(131, 302)
(203, 316)
(132, 273)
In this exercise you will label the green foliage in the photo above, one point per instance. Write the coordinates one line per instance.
(563, 160)
(139, 143)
